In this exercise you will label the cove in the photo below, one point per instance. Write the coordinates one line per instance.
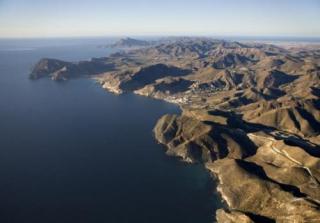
(72, 152)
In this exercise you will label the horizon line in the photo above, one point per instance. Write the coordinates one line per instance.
(165, 35)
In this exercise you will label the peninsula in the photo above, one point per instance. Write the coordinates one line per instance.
(250, 115)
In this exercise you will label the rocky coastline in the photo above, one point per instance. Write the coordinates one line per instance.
(250, 114)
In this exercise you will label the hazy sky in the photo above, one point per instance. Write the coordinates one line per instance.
(51, 18)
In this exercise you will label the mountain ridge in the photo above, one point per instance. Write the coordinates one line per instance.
(249, 108)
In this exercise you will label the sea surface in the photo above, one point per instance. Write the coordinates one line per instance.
(71, 152)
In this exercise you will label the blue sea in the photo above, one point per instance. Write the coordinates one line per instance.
(70, 152)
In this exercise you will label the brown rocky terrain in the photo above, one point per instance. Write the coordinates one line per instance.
(62, 70)
(250, 114)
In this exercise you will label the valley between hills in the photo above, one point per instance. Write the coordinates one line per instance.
(250, 115)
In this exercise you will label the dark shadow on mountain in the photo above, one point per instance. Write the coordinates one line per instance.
(260, 173)
(148, 75)
(259, 218)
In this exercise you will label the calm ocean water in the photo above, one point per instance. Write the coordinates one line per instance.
(71, 152)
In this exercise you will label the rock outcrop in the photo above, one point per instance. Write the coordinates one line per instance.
(232, 217)
(248, 190)
(47, 66)
(61, 70)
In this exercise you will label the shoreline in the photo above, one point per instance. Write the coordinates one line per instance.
(225, 91)
(214, 177)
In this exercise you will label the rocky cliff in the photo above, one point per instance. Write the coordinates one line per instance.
(251, 115)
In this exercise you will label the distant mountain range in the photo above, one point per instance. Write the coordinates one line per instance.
(250, 114)
(130, 43)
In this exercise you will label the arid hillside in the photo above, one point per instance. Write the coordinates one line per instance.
(250, 114)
